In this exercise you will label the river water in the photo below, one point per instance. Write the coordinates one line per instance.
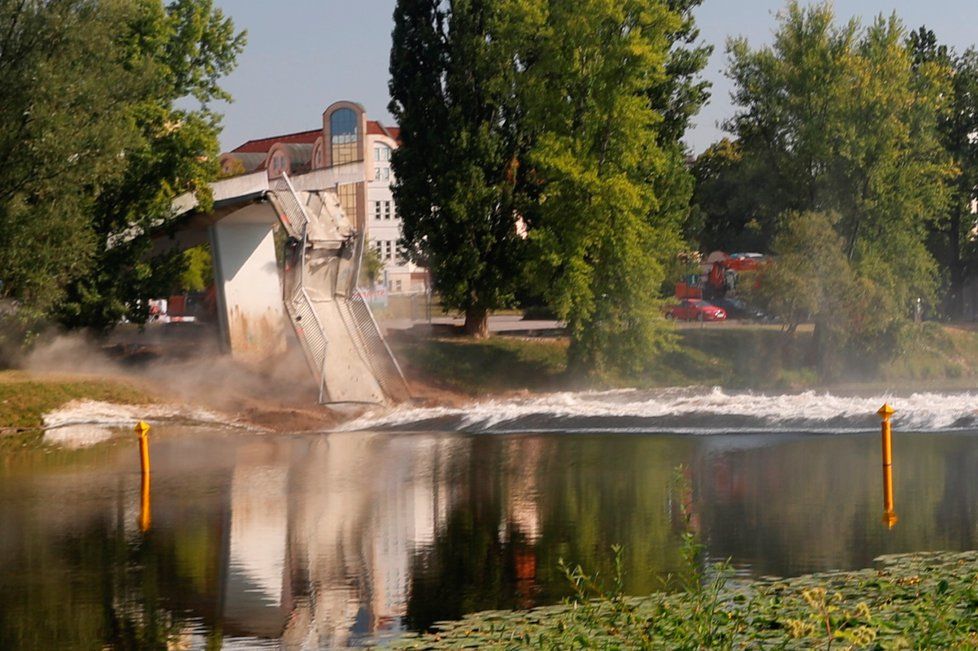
(344, 538)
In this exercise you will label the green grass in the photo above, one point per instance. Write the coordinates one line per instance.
(25, 399)
(737, 357)
(494, 365)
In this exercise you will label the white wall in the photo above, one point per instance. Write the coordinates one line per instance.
(250, 308)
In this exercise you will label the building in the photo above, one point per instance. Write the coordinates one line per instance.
(346, 136)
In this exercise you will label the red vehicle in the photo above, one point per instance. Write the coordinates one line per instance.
(723, 276)
(696, 310)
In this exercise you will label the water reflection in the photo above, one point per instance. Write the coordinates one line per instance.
(327, 541)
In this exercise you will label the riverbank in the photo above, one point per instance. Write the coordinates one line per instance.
(732, 355)
(923, 600)
(26, 397)
(447, 370)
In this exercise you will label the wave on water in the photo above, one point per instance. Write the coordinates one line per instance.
(82, 423)
(684, 411)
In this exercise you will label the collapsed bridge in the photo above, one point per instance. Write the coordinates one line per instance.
(287, 253)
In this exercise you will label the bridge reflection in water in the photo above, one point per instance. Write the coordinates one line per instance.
(326, 541)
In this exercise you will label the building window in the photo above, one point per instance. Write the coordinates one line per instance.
(382, 173)
(382, 153)
(397, 285)
(387, 210)
(344, 136)
(377, 209)
(348, 200)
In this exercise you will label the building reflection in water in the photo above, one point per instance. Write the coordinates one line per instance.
(307, 542)
(320, 549)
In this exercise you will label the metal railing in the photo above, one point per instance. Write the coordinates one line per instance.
(292, 213)
(352, 309)
(379, 355)
(308, 328)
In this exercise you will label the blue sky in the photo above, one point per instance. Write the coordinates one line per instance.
(304, 54)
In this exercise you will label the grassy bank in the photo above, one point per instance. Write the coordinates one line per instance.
(923, 601)
(477, 367)
(25, 398)
(728, 355)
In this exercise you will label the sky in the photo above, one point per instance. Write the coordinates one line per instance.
(303, 55)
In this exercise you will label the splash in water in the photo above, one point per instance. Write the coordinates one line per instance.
(693, 411)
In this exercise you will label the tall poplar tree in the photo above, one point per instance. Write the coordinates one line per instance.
(456, 170)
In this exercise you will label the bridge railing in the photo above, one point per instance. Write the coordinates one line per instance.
(291, 211)
(379, 355)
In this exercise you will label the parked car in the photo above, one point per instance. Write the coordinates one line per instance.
(696, 310)
(737, 309)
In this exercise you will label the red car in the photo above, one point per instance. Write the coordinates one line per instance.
(696, 310)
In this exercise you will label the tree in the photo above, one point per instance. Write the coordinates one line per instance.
(371, 267)
(64, 119)
(452, 89)
(198, 270)
(809, 280)
(93, 146)
(610, 202)
(729, 201)
(841, 120)
(189, 45)
(950, 242)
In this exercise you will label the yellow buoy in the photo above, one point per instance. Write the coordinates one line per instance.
(889, 515)
(145, 516)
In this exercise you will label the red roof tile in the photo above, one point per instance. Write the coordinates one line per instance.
(375, 128)
(262, 145)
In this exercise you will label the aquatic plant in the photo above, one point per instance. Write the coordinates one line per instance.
(912, 601)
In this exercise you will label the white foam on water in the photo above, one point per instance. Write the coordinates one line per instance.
(82, 423)
(685, 411)
(75, 437)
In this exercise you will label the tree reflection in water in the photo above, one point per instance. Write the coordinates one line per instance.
(337, 539)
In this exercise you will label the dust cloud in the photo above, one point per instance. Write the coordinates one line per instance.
(185, 364)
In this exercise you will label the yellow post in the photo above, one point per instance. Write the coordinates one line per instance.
(889, 515)
(144, 506)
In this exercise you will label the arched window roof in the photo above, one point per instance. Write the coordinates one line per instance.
(344, 135)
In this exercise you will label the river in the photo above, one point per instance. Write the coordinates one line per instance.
(343, 538)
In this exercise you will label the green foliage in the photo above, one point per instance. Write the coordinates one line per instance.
(94, 147)
(561, 117)
(842, 119)
(63, 124)
(610, 196)
(923, 601)
(198, 269)
(811, 280)
(952, 242)
(370, 267)
(729, 202)
(452, 88)
(188, 47)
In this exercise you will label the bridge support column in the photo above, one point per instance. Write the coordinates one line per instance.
(249, 292)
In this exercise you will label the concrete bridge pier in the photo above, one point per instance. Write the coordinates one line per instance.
(251, 317)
